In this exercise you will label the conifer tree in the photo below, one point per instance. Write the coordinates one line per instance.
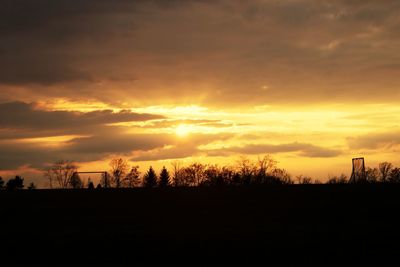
(150, 178)
(164, 178)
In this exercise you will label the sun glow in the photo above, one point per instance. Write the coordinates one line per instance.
(182, 130)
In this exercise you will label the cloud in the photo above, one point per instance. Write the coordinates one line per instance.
(304, 150)
(19, 120)
(199, 122)
(375, 141)
(15, 154)
(182, 148)
(215, 52)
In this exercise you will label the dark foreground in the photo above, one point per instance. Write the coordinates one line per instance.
(318, 225)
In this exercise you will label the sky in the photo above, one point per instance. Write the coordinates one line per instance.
(313, 83)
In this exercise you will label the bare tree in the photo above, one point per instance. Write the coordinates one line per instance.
(213, 176)
(384, 170)
(60, 173)
(119, 168)
(342, 179)
(282, 176)
(372, 175)
(177, 174)
(132, 179)
(246, 169)
(228, 175)
(394, 176)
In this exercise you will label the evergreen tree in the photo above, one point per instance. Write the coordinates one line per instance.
(76, 181)
(90, 185)
(150, 178)
(164, 178)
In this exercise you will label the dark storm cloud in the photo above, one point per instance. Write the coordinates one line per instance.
(305, 150)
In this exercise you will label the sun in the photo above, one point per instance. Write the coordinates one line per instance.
(182, 130)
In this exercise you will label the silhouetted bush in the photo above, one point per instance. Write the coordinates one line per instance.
(31, 186)
(16, 183)
(304, 179)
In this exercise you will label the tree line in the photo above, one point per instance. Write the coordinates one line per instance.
(15, 183)
(264, 171)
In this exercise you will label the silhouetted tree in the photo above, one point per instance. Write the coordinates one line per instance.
(342, 179)
(1, 183)
(16, 183)
(236, 179)
(31, 186)
(213, 176)
(317, 181)
(263, 170)
(227, 175)
(105, 180)
(119, 168)
(99, 186)
(394, 176)
(150, 178)
(282, 176)
(194, 174)
(76, 181)
(164, 178)
(372, 175)
(177, 176)
(90, 185)
(246, 170)
(60, 173)
(132, 179)
(384, 170)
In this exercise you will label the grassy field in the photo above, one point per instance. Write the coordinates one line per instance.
(319, 225)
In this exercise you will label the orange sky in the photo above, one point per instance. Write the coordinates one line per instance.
(314, 83)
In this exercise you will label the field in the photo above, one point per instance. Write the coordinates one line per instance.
(319, 225)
